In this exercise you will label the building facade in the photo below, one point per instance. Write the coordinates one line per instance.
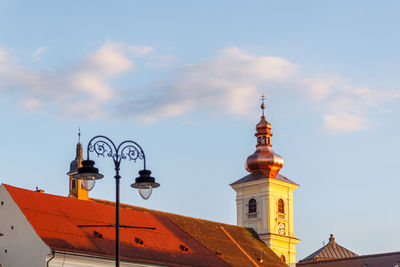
(264, 198)
(335, 255)
(39, 229)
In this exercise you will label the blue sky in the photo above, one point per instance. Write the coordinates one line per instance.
(183, 79)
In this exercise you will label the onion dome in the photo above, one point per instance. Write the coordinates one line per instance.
(264, 159)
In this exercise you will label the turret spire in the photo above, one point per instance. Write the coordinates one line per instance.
(264, 158)
(75, 188)
(79, 149)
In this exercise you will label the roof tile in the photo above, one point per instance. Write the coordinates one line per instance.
(56, 220)
(330, 251)
(258, 175)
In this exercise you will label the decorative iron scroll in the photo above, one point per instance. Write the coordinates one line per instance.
(103, 146)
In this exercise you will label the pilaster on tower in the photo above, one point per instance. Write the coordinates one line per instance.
(264, 198)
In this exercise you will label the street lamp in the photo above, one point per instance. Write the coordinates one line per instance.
(88, 174)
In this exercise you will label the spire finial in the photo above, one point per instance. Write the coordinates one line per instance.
(262, 104)
(79, 134)
(331, 239)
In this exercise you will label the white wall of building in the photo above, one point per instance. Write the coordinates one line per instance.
(20, 245)
(74, 260)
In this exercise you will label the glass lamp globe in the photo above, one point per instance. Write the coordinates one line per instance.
(88, 184)
(145, 191)
(145, 183)
(88, 174)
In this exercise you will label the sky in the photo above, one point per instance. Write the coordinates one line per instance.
(184, 78)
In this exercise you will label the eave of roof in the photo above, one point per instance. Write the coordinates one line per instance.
(329, 251)
(255, 176)
(56, 220)
(356, 260)
(210, 235)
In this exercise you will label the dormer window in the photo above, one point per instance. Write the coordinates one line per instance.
(139, 241)
(281, 206)
(184, 248)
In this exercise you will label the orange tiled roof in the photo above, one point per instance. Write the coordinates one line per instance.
(212, 236)
(56, 219)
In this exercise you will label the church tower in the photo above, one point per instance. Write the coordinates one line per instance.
(75, 187)
(264, 198)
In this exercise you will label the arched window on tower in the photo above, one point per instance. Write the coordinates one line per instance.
(281, 206)
(268, 140)
(263, 140)
(252, 206)
(73, 184)
(259, 140)
(283, 258)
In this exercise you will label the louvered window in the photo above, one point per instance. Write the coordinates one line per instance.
(252, 206)
(281, 206)
(283, 258)
(73, 184)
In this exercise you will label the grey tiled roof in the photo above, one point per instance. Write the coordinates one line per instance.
(331, 251)
(258, 175)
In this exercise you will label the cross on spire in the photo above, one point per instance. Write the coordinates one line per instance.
(262, 104)
(262, 98)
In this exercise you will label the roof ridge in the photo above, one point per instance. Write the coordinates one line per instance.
(356, 257)
(238, 246)
(108, 202)
(330, 251)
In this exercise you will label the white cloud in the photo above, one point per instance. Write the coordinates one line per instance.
(36, 54)
(31, 104)
(139, 50)
(81, 89)
(3, 55)
(375, 97)
(109, 60)
(163, 61)
(229, 83)
(344, 122)
(345, 105)
(320, 87)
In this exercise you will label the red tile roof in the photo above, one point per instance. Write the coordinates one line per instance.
(176, 241)
(211, 235)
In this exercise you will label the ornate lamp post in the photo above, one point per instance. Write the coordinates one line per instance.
(103, 146)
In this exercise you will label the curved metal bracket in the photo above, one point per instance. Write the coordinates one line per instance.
(104, 146)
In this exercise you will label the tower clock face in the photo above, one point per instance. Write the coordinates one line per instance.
(281, 228)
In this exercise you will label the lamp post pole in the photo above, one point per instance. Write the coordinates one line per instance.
(117, 177)
(130, 150)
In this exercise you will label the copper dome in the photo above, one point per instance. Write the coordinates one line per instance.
(264, 158)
